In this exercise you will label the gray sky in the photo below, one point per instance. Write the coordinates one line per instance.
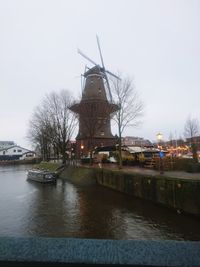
(157, 43)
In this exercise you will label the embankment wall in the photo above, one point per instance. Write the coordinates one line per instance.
(79, 175)
(182, 195)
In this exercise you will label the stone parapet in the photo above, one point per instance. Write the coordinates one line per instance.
(91, 252)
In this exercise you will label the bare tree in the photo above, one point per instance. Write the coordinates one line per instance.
(40, 132)
(54, 123)
(191, 130)
(63, 121)
(130, 107)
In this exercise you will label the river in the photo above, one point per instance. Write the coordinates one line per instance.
(31, 209)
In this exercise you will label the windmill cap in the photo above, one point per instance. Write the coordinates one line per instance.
(95, 70)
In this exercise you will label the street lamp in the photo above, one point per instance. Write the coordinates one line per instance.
(82, 147)
(161, 154)
(159, 137)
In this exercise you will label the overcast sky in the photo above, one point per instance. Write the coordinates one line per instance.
(157, 43)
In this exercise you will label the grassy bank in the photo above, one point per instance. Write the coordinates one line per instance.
(50, 166)
(80, 175)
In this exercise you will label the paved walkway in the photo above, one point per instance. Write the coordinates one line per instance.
(171, 174)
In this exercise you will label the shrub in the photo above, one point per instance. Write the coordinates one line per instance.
(85, 160)
(104, 158)
(193, 167)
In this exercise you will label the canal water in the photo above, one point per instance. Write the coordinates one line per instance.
(30, 209)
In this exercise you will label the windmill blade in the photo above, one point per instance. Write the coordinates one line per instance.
(102, 62)
(109, 90)
(113, 74)
(83, 55)
(98, 44)
(104, 70)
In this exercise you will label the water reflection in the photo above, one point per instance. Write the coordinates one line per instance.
(66, 210)
(54, 210)
(119, 216)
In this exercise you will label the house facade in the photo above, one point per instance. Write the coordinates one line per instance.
(15, 152)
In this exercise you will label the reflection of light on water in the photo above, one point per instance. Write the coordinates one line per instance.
(27, 195)
(138, 227)
(72, 202)
(17, 168)
(5, 170)
(10, 170)
(71, 194)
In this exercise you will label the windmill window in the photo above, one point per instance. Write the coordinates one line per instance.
(102, 133)
(99, 90)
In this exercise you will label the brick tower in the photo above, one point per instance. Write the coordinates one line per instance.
(94, 112)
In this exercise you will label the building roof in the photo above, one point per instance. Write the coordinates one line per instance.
(6, 148)
(6, 143)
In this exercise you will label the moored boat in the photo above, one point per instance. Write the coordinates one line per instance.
(42, 176)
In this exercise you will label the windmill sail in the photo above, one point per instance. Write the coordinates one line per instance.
(102, 69)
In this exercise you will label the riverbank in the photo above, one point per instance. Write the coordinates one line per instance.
(175, 190)
(178, 191)
(19, 162)
(83, 176)
(50, 166)
(75, 174)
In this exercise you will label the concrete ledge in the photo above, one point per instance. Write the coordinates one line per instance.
(91, 251)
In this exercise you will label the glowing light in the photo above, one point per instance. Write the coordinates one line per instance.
(159, 136)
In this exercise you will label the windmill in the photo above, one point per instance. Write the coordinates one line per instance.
(94, 110)
(102, 68)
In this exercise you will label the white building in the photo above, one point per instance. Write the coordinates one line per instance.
(136, 141)
(16, 152)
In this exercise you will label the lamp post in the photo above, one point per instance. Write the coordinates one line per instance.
(159, 138)
(82, 147)
(117, 153)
